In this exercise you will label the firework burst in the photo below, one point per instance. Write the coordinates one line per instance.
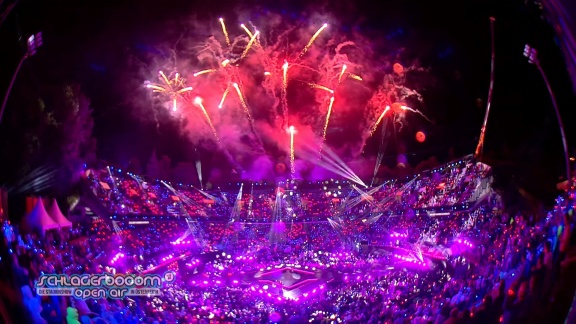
(390, 97)
(174, 87)
(269, 79)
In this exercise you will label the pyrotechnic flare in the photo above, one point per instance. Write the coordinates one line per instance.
(204, 72)
(284, 91)
(166, 79)
(379, 120)
(398, 68)
(341, 73)
(174, 88)
(354, 76)
(252, 39)
(223, 98)
(415, 111)
(292, 131)
(312, 39)
(247, 30)
(225, 32)
(327, 118)
(198, 102)
(285, 75)
(321, 87)
(181, 91)
(242, 101)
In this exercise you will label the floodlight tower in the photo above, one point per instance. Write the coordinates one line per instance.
(34, 42)
(532, 55)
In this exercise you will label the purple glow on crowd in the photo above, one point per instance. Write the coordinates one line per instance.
(312, 268)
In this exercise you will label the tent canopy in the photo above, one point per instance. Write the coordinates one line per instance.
(57, 216)
(38, 219)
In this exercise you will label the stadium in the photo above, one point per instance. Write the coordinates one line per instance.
(307, 163)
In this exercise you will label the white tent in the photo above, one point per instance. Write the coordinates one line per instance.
(57, 215)
(38, 219)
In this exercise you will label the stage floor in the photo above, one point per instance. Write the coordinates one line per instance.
(289, 281)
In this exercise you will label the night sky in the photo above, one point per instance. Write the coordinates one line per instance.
(92, 42)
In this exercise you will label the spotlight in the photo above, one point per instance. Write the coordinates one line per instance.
(531, 54)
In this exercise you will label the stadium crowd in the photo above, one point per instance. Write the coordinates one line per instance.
(404, 253)
(451, 186)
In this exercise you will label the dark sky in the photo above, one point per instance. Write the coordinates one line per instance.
(89, 42)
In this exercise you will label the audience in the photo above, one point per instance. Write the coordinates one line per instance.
(393, 256)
